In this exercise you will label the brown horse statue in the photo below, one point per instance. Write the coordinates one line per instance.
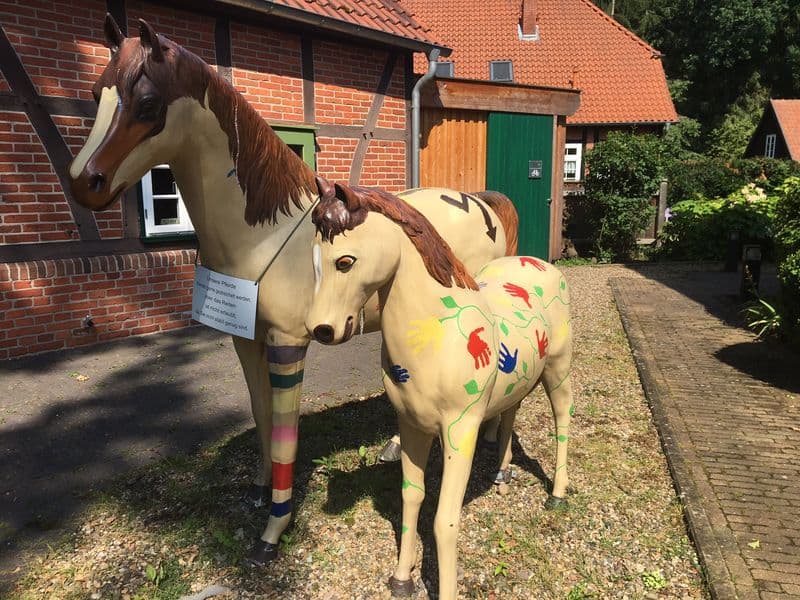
(248, 196)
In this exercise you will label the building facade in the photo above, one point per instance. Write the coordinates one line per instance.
(336, 88)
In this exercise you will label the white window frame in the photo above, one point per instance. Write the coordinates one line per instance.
(769, 145)
(576, 158)
(493, 63)
(184, 224)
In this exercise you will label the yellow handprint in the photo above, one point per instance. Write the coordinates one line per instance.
(424, 332)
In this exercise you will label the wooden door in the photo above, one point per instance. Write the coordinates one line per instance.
(453, 149)
(519, 163)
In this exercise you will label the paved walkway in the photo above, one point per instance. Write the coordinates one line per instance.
(728, 412)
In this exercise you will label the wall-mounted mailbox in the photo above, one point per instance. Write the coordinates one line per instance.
(534, 169)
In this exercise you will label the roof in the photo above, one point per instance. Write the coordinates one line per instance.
(787, 113)
(620, 76)
(379, 20)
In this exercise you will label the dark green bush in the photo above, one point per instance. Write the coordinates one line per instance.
(709, 177)
(700, 229)
(787, 246)
(624, 172)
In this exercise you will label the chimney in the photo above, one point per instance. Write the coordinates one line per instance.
(529, 21)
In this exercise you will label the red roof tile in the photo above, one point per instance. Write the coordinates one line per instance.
(620, 76)
(386, 16)
(787, 112)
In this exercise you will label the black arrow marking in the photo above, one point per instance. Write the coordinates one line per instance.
(463, 204)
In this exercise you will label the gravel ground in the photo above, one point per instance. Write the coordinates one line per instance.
(178, 528)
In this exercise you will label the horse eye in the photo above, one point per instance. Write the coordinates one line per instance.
(148, 109)
(345, 263)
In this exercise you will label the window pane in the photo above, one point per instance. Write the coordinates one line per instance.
(165, 210)
(297, 149)
(163, 182)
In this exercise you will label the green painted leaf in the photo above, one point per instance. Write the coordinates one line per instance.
(503, 328)
(519, 315)
(572, 410)
(524, 367)
(509, 389)
(539, 291)
(562, 438)
(563, 284)
(405, 528)
(449, 302)
(472, 387)
(406, 484)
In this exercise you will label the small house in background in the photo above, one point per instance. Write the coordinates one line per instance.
(778, 132)
(554, 44)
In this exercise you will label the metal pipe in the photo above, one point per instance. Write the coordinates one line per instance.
(433, 56)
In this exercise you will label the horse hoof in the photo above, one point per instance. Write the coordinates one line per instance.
(256, 495)
(390, 452)
(554, 502)
(401, 588)
(504, 476)
(262, 553)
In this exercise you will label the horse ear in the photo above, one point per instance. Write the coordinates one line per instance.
(350, 197)
(113, 33)
(150, 42)
(325, 189)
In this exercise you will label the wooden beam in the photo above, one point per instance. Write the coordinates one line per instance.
(307, 65)
(354, 131)
(41, 121)
(222, 47)
(491, 96)
(368, 132)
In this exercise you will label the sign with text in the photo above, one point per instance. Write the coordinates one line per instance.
(225, 303)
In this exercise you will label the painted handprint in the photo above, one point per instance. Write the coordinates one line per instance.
(507, 362)
(518, 292)
(542, 341)
(527, 260)
(399, 374)
(478, 348)
(424, 332)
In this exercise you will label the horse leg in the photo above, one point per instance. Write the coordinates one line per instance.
(251, 356)
(505, 429)
(286, 357)
(413, 459)
(490, 433)
(455, 475)
(558, 386)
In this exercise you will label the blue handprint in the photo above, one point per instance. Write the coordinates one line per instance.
(506, 362)
(399, 374)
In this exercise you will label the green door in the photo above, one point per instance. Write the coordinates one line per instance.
(519, 163)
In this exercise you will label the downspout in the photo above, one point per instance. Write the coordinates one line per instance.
(416, 119)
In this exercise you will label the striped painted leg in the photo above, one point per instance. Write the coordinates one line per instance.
(286, 379)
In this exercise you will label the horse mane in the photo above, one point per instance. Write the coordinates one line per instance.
(270, 175)
(349, 206)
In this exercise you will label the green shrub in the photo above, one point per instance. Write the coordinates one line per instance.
(709, 177)
(700, 229)
(624, 172)
(787, 246)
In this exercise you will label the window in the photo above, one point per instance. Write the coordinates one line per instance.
(163, 210)
(769, 147)
(501, 70)
(445, 69)
(572, 162)
(162, 206)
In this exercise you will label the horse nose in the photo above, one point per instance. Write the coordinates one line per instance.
(97, 182)
(323, 334)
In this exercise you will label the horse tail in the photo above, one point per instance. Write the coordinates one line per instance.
(505, 210)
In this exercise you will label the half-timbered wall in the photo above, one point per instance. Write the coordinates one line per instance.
(60, 263)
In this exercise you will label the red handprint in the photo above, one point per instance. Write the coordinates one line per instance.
(527, 260)
(542, 341)
(518, 292)
(478, 349)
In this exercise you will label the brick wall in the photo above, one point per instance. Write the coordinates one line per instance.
(43, 303)
(60, 43)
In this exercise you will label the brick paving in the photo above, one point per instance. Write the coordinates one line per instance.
(728, 412)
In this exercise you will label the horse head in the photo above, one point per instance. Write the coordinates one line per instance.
(349, 266)
(137, 125)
